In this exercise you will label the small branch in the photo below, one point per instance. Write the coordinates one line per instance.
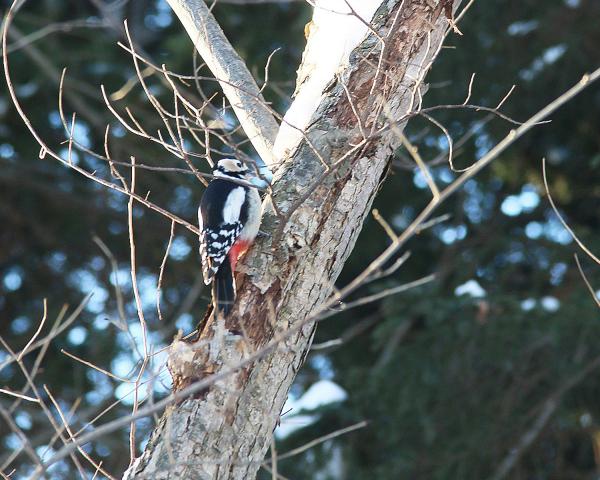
(114, 266)
(139, 308)
(385, 225)
(586, 281)
(19, 395)
(162, 271)
(317, 441)
(94, 367)
(414, 153)
(562, 220)
(67, 428)
(380, 295)
(35, 335)
(53, 334)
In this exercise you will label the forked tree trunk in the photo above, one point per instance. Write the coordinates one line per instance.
(224, 432)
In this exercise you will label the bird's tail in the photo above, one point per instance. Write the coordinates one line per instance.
(223, 289)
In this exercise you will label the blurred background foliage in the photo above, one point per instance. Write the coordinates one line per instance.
(452, 376)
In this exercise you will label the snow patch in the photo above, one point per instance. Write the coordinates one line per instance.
(318, 394)
(550, 304)
(470, 287)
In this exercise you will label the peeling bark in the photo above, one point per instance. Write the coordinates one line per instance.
(225, 431)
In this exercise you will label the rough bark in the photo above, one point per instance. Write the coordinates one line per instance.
(225, 432)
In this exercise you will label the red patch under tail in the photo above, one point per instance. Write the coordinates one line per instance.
(236, 251)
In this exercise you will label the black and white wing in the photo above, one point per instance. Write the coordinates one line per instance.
(215, 243)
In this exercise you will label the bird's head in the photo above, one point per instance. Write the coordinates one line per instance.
(232, 167)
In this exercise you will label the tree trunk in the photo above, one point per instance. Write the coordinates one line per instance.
(322, 193)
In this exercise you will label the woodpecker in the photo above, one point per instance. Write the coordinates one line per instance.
(229, 218)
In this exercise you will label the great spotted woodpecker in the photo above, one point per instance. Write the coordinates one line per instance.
(229, 217)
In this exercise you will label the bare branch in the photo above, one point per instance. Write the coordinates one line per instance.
(587, 282)
(19, 395)
(37, 332)
(162, 271)
(318, 441)
(560, 217)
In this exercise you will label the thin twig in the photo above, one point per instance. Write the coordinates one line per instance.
(317, 441)
(19, 395)
(587, 282)
(37, 332)
(140, 311)
(562, 220)
(162, 270)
